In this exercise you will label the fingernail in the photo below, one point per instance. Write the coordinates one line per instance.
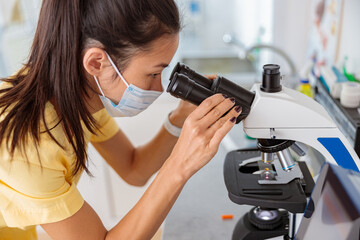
(224, 95)
(238, 109)
(233, 119)
(232, 99)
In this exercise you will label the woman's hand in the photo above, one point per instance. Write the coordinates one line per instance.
(184, 109)
(202, 133)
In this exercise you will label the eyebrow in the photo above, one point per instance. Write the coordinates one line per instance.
(164, 65)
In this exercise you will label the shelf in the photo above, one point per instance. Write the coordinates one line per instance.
(347, 119)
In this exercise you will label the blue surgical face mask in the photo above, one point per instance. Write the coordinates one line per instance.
(134, 100)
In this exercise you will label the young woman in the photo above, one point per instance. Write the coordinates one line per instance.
(91, 61)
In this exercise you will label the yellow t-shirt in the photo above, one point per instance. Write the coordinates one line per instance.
(32, 194)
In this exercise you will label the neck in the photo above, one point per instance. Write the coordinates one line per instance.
(93, 103)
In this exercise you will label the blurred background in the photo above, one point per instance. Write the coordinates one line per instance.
(232, 38)
(222, 37)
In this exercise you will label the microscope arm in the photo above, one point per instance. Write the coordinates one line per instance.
(290, 115)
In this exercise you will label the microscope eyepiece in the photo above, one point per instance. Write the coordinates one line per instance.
(191, 86)
(185, 70)
(271, 69)
(271, 79)
(183, 87)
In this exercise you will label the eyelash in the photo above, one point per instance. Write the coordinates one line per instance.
(154, 75)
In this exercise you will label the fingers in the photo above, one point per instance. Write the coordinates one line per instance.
(211, 77)
(219, 110)
(220, 132)
(235, 112)
(206, 106)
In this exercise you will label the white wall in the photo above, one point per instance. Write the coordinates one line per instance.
(203, 31)
(350, 36)
(291, 28)
(249, 17)
(292, 21)
(16, 38)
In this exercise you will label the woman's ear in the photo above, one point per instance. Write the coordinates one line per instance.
(94, 61)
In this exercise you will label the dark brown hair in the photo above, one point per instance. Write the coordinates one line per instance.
(54, 69)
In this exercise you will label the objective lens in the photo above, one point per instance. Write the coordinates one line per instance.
(286, 160)
(267, 157)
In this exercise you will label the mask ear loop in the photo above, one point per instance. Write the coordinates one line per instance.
(97, 82)
(117, 70)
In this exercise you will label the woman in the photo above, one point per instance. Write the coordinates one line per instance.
(88, 55)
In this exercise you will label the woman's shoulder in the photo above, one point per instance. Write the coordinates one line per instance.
(46, 149)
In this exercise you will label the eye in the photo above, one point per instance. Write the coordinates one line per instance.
(154, 75)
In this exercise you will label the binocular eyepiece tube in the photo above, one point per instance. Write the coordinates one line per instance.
(191, 86)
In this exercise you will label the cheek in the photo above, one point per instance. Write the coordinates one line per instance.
(156, 84)
(114, 89)
(109, 82)
(137, 78)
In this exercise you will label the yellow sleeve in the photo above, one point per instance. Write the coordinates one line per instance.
(32, 195)
(107, 127)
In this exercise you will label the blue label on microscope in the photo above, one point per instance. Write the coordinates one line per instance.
(339, 152)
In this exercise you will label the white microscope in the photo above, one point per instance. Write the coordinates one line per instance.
(284, 121)
(282, 113)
